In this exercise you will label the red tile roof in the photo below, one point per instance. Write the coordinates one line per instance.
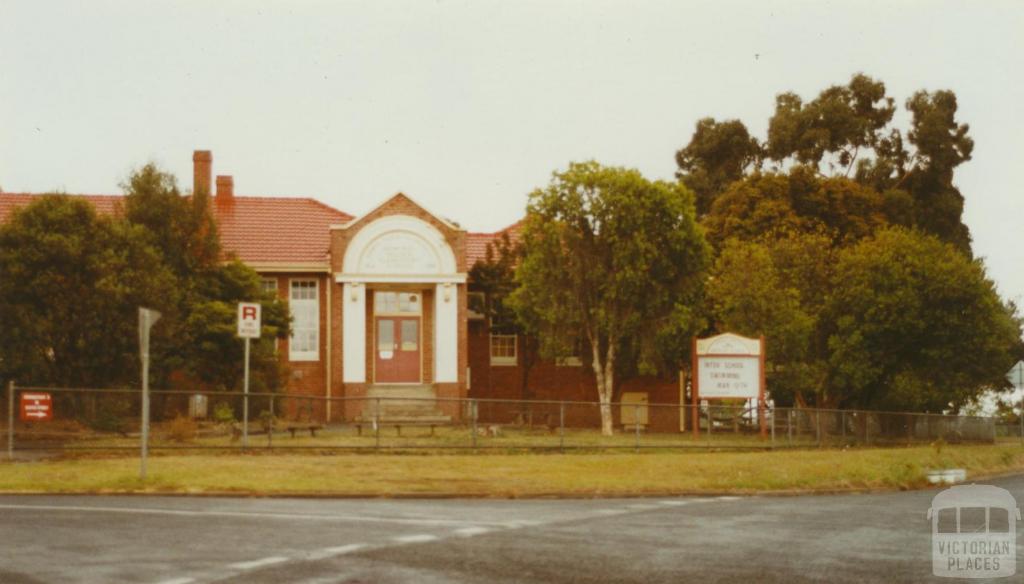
(476, 243)
(104, 204)
(255, 229)
(277, 229)
(273, 229)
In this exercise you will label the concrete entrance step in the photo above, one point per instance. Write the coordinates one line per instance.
(397, 391)
(402, 402)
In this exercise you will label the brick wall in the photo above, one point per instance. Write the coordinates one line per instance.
(305, 378)
(549, 381)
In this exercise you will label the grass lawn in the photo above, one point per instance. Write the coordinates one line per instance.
(510, 475)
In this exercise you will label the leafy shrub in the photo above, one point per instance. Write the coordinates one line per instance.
(223, 413)
(111, 416)
(182, 429)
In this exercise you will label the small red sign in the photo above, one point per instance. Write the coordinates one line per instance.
(36, 407)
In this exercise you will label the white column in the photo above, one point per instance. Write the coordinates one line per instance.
(446, 333)
(353, 344)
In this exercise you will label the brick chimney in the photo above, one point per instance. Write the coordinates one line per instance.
(202, 169)
(225, 188)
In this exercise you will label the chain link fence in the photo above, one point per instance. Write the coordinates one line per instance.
(110, 420)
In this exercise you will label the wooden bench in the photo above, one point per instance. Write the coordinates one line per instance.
(396, 425)
(311, 427)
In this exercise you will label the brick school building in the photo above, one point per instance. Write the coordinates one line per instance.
(382, 307)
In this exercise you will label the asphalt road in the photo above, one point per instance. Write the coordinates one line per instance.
(179, 540)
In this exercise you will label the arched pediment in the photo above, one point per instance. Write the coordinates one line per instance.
(728, 344)
(399, 245)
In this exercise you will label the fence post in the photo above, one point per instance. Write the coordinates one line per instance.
(10, 420)
(270, 424)
(789, 427)
(772, 413)
(636, 424)
(817, 423)
(710, 423)
(561, 427)
(472, 413)
(376, 426)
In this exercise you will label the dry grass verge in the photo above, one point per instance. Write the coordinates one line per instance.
(511, 475)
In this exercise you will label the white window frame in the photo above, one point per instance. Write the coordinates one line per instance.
(504, 360)
(572, 360)
(293, 354)
(265, 288)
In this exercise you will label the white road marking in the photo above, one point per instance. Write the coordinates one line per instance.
(520, 523)
(415, 538)
(244, 514)
(673, 503)
(471, 531)
(642, 507)
(178, 581)
(332, 552)
(728, 498)
(609, 511)
(258, 563)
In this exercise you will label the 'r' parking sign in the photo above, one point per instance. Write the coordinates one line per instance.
(248, 320)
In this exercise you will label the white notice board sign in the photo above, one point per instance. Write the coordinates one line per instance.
(729, 377)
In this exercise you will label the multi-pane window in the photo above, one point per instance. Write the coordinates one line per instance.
(573, 355)
(269, 286)
(503, 349)
(477, 302)
(397, 303)
(304, 302)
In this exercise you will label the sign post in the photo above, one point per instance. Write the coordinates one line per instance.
(248, 329)
(10, 420)
(36, 407)
(1016, 376)
(728, 366)
(147, 318)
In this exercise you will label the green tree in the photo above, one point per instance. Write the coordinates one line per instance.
(182, 228)
(765, 203)
(198, 337)
(612, 258)
(846, 132)
(777, 287)
(718, 154)
(918, 325)
(71, 285)
(843, 121)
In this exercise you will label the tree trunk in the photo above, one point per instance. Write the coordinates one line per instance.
(605, 375)
(607, 423)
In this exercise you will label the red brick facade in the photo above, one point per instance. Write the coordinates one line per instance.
(549, 381)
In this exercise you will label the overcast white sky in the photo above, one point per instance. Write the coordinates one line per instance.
(468, 106)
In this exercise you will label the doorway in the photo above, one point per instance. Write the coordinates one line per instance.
(398, 346)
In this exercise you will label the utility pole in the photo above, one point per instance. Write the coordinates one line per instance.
(147, 318)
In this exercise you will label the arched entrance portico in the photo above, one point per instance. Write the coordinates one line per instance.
(401, 260)
(402, 294)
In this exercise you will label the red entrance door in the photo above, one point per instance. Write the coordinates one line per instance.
(397, 354)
